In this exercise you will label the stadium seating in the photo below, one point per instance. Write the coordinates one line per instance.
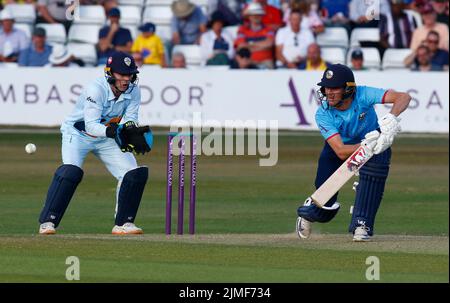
(200, 2)
(140, 3)
(160, 15)
(84, 51)
(364, 34)
(371, 55)
(84, 33)
(164, 32)
(333, 55)
(90, 14)
(56, 32)
(416, 16)
(23, 13)
(158, 2)
(393, 58)
(130, 15)
(191, 53)
(25, 27)
(333, 37)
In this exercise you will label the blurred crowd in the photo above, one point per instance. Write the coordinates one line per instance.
(237, 34)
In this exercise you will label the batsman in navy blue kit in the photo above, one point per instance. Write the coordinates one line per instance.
(347, 119)
(104, 122)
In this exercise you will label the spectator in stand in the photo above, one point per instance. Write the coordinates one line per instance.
(273, 17)
(62, 57)
(396, 29)
(149, 47)
(108, 5)
(257, 37)
(38, 52)
(113, 37)
(12, 40)
(439, 57)
(417, 5)
(310, 16)
(441, 9)
(429, 24)
(314, 59)
(357, 60)
(335, 12)
(365, 13)
(292, 42)
(216, 46)
(422, 60)
(230, 9)
(53, 11)
(178, 60)
(242, 60)
(188, 22)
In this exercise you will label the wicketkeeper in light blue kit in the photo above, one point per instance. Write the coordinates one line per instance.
(347, 119)
(104, 122)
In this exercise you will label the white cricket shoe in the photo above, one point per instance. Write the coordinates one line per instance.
(303, 228)
(47, 228)
(361, 234)
(127, 229)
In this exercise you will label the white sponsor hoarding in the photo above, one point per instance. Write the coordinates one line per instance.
(43, 96)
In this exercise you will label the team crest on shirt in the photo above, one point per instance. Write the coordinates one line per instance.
(127, 61)
(109, 60)
(329, 74)
(361, 116)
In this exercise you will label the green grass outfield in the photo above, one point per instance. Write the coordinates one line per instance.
(245, 219)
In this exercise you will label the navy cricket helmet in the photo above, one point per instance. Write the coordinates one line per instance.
(121, 63)
(337, 75)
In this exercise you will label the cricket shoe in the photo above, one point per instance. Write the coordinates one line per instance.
(47, 228)
(127, 229)
(303, 228)
(361, 234)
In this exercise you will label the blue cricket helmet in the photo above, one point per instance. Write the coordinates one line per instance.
(337, 75)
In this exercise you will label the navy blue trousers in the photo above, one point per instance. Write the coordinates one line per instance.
(370, 190)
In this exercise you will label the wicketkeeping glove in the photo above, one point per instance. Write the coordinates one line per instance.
(140, 139)
(131, 138)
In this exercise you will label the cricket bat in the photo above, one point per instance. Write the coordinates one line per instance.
(347, 170)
